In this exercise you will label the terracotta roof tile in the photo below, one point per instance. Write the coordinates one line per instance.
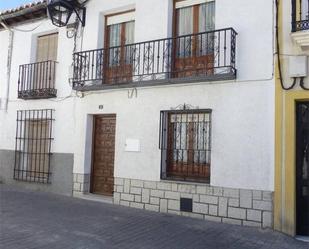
(22, 7)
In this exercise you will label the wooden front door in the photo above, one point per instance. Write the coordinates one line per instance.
(302, 169)
(103, 154)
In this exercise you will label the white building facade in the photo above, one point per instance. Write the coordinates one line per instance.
(175, 114)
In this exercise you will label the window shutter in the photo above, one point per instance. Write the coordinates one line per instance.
(47, 47)
(53, 47)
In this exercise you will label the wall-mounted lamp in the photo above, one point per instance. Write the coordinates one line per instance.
(60, 11)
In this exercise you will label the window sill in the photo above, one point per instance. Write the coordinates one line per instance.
(185, 182)
(32, 179)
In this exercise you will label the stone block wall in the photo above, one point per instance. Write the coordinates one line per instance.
(81, 183)
(234, 206)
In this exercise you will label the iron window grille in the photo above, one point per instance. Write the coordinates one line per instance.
(33, 145)
(185, 143)
(300, 15)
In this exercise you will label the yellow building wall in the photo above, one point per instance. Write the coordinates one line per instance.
(285, 148)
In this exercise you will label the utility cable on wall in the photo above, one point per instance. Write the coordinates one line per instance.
(5, 99)
(3, 22)
(302, 84)
(278, 51)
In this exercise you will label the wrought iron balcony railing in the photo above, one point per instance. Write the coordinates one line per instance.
(37, 80)
(203, 56)
(300, 19)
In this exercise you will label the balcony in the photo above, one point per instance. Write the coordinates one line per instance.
(207, 56)
(300, 22)
(300, 19)
(301, 25)
(37, 80)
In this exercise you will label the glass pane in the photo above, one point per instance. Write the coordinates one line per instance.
(185, 21)
(305, 10)
(200, 142)
(114, 35)
(129, 50)
(185, 27)
(206, 24)
(114, 43)
(207, 17)
(130, 26)
(180, 144)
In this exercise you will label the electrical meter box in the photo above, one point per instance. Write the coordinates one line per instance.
(298, 66)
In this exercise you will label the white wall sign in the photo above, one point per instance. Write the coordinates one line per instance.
(132, 145)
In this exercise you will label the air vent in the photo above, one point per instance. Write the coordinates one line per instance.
(186, 205)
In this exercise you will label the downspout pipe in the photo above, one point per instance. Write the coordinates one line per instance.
(5, 98)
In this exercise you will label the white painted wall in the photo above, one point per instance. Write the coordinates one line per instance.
(242, 130)
(253, 20)
(24, 53)
(4, 42)
(243, 110)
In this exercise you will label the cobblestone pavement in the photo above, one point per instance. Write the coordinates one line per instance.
(31, 220)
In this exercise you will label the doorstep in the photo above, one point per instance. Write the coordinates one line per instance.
(94, 197)
(303, 238)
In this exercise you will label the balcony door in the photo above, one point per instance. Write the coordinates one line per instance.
(194, 44)
(47, 47)
(119, 52)
(44, 68)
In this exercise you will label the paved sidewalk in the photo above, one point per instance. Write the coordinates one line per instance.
(31, 220)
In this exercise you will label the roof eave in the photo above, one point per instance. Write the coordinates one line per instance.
(25, 14)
